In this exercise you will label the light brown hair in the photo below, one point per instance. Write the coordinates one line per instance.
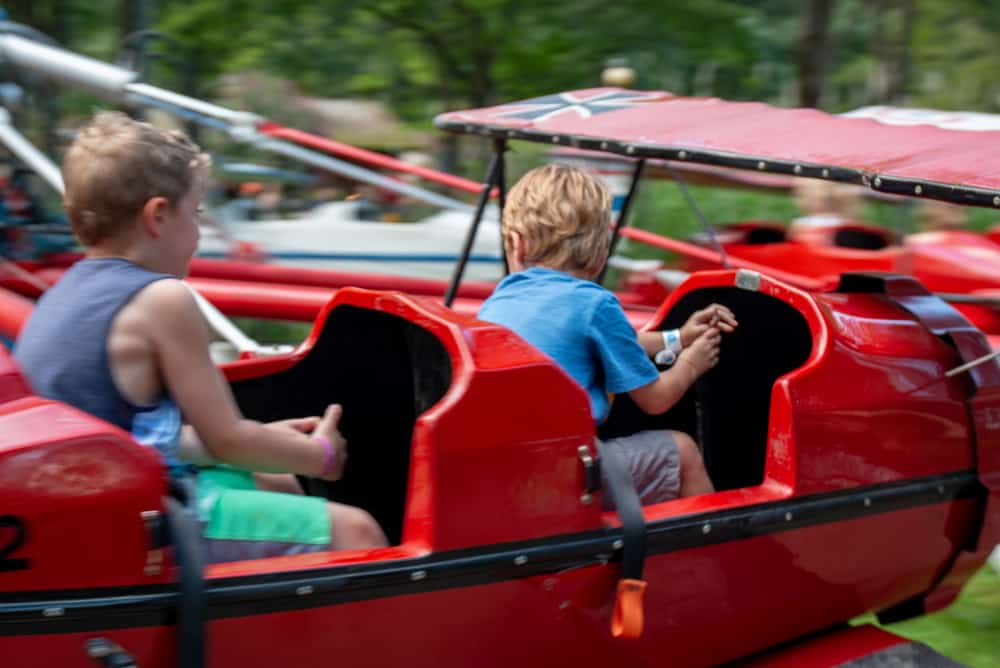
(562, 215)
(117, 164)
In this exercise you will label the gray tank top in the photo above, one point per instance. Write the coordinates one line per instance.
(63, 350)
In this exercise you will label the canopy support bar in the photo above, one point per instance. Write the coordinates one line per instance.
(707, 226)
(620, 223)
(500, 148)
(484, 196)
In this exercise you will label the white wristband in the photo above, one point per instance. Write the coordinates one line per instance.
(671, 347)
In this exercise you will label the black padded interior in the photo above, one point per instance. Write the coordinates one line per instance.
(726, 411)
(385, 371)
(765, 235)
(859, 238)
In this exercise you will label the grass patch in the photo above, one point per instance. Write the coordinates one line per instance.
(968, 630)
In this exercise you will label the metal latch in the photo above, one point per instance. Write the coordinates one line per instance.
(591, 474)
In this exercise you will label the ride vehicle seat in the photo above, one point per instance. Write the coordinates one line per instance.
(727, 410)
(838, 232)
(385, 371)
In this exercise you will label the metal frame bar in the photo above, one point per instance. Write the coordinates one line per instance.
(500, 148)
(492, 173)
(620, 223)
(693, 205)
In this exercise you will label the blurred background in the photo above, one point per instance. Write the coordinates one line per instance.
(373, 73)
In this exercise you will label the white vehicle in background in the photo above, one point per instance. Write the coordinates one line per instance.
(351, 236)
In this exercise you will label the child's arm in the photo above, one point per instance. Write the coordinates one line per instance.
(658, 396)
(713, 315)
(179, 338)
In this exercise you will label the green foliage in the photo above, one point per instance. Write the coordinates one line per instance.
(967, 631)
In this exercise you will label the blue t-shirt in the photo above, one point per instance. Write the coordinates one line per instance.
(578, 324)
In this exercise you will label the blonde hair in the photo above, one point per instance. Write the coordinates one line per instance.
(562, 215)
(117, 164)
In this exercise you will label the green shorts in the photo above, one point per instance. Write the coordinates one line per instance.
(240, 522)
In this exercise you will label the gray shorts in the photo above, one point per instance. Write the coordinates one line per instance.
(654, 462)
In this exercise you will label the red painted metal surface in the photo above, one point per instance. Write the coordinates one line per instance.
(14, 312)
(494, 462)
(750, 131)
(379, 160)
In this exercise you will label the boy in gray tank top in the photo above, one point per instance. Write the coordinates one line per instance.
(120, 336)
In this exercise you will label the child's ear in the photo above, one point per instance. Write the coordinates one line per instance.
(514, 245)
(154, 216)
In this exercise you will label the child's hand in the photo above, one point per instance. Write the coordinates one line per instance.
(328, 428)
(306, 425)
(703, 354)
(714, 315)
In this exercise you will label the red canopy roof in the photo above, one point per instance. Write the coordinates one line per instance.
(958, 165)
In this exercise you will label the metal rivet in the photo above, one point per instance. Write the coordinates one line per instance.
(797, 169)
(682, 155)
(304, 590)
(604, 144)
(788, 517)
(868, 503)
(705, 528)
(586, 498)
(53, 612)
(878, 182)
(555, 139)
(917, 190)
(520, 560)
(996, 201)
(826, 173)
(940, 489)
(511, 133)
(761, 165)
(630, 149)
(469, 128)
(618, 544)
(418, 575)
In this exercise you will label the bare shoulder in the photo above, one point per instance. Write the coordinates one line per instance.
(166, 309)
(167, 296)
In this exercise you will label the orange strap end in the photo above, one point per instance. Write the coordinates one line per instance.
(627, 619)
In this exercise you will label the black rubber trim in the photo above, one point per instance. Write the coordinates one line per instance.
(966, 195)
(80, 610)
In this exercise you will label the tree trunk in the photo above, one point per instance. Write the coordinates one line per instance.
(900, 73)
(813, 50)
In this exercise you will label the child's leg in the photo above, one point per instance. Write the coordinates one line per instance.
(352, 528)
(694, 477)
(286, 483)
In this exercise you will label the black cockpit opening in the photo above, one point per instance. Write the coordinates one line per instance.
(727, 410)
(385, 371)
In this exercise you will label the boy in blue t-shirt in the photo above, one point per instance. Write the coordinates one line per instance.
(555, 229)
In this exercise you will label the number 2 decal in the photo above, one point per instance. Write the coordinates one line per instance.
(12, 536)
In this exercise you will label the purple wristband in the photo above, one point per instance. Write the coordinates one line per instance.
(327, 455)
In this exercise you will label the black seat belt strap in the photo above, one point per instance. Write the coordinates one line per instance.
(185, 536)
(627, 620)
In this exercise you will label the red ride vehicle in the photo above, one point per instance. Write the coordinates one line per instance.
(853, 437)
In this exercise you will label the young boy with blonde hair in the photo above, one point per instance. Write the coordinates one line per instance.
(556, 234)
(121, 337)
